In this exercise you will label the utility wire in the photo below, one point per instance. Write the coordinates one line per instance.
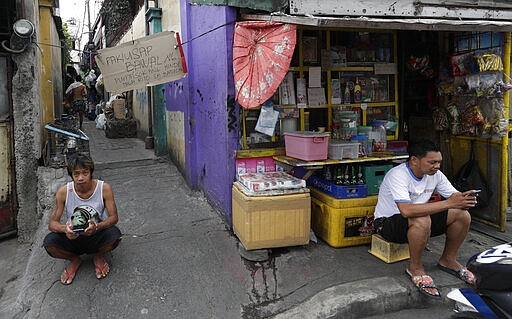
(194, 38)
(62, 47)
(220, 26)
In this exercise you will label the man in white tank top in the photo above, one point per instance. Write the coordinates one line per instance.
(404, 214)
(91, 215)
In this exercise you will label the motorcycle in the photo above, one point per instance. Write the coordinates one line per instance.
(491, 298)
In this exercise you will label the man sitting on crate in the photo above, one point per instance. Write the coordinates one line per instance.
(404, 214)
(77, 93)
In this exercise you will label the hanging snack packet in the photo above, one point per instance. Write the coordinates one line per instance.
(489, 62)
(473, 115)
(440, 118)
(453, 111)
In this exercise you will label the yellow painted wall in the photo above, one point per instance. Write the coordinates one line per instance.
(56, 82)
(46, 77)
(174, 120)
(176, 136)
(5, 160)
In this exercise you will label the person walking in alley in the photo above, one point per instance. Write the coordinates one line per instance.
(89, 203)
(404, 214)
(77, 93)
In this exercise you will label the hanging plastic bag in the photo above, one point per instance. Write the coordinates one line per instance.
(101, 121)
(470, 177)
(267, 120)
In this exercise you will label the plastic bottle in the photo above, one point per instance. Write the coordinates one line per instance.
(379, 141)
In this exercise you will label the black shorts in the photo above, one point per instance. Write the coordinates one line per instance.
(83, 244)
(394, 228)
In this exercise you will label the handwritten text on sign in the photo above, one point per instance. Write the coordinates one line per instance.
(150, 60)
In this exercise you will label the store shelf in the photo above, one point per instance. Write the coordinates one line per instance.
(351, 57)
(383, 156)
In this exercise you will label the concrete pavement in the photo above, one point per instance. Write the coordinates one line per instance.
(178, 259)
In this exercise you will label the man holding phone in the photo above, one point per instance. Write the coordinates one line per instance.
(404, 214)
(98, 236)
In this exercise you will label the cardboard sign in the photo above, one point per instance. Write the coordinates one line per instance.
(150, 60)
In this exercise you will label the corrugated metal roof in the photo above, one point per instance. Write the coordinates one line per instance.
(265, 5)
(387, 23)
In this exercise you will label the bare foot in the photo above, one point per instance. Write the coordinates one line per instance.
(101, 267)
(69, 272)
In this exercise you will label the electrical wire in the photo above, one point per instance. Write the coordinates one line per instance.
(202, 34)
(62, 47)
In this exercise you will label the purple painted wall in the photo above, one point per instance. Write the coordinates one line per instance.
(211, 117)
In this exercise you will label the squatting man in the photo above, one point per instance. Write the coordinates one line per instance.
(90, 203)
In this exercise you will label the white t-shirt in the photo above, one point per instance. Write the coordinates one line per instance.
(400, 185)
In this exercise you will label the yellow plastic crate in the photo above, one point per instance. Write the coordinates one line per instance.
(388, 251)
(271, 221)
(343, 203)
(339, 227)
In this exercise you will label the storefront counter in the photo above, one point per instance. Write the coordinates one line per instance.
(314, 165)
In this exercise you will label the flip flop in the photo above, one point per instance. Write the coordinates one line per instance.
(423, 282)
(100, 269)
(70, 275)
(463, 274)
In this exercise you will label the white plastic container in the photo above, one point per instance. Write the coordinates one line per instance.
(341, 149)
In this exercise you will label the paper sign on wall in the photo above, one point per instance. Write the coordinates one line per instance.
(150, 60)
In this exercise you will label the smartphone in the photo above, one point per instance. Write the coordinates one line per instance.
(475, 193)
(78, 230)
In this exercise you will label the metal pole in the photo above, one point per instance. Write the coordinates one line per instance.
(89, 21)
(90, 43)
(149, 141)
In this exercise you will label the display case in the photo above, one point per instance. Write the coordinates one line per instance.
(334, 70)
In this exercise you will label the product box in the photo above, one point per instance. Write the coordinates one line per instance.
(340, 149)
(255, 165)
(397, 146)
(271, 221)
(257, 182)
(373, 176)
(342, 227)
(119, 107)
(307, 146)
(337, 191)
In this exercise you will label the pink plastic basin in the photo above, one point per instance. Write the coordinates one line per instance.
(307, 146)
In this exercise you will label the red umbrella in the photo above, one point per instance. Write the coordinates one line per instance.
(262, 52)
